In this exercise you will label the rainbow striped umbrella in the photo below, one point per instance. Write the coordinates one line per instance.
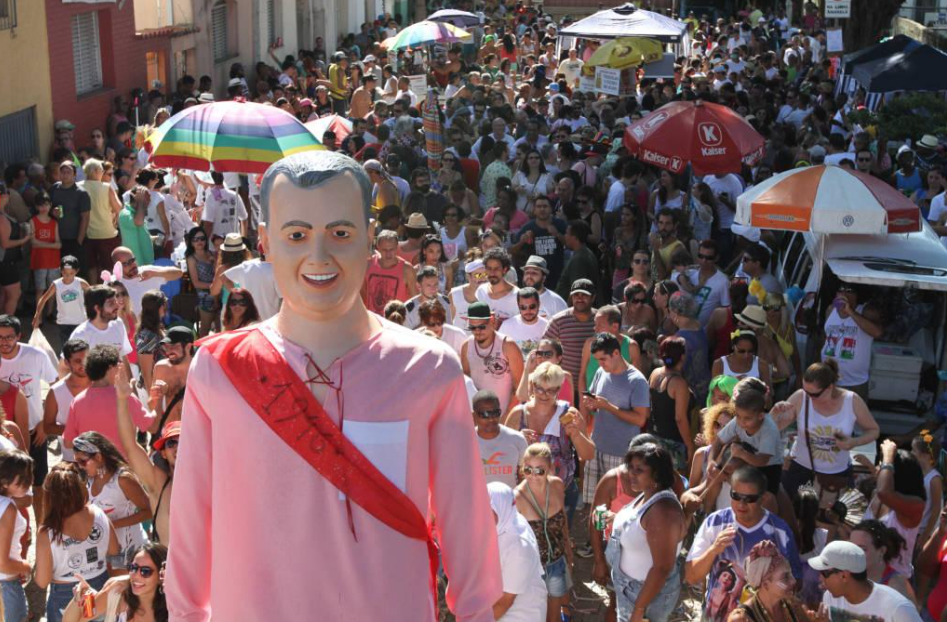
(426, 33)
(229, 137)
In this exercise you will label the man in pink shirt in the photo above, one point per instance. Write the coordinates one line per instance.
(281, 515)
(94, 409)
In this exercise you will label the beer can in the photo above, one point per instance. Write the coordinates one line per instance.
(88, 605)
(598, 517)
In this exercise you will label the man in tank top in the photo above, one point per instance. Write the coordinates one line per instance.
(492, 360)
(389, 277)
(850, 330)
(61, 394)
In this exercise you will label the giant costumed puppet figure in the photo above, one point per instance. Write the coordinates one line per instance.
(316, 445)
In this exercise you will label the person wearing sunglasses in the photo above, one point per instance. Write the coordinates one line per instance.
(501, 448)
(636, 310)
(850, 594)
(433, 317)
(75, 539)
(743, 361)
(240, 310)
(526, 328)
(540, 498)
(114, 489)
(462, 296)
(141, 590)
(201, 266)
(826, 416)
(492, 360)
(726, 537)
(535, 274)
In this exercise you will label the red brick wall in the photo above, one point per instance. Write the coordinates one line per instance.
(123, 62)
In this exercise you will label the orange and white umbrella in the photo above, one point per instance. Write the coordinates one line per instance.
(827, 199)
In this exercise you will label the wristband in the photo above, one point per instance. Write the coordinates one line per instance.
(885, 466)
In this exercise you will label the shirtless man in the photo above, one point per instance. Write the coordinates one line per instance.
(170, 375)
(156, 480)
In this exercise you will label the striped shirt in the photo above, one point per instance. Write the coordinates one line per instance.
(572, 334)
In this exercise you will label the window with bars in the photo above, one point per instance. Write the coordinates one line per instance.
(86, 54)
(271, 29)
(219, 28)
(7, 14)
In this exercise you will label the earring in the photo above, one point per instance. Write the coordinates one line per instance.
(99, 472)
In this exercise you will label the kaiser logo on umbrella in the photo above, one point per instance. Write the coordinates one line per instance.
(709, 134)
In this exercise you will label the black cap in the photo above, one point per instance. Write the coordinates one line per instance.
(478, 311)
(582, 286)
(178, 334)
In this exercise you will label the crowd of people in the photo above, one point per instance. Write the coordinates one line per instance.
(631, 365)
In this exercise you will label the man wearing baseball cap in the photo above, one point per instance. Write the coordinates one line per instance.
(169, 377)
(850, 595)
(574, 326)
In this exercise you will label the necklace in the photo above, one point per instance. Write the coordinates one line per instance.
(489, 353)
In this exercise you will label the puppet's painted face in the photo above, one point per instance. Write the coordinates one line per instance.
(319, 245)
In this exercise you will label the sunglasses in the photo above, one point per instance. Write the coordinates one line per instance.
(772, 307)
(547, 391)
(638, 301)
(706, 257)
(545, 354)
(528, 307)
(145, 571)
(242, 302)
(199, 238)
(816, 394)
(534, 470)
(474, 327)
(736, 496)
(129, 262)
(171, 443)
(642, 262)
(489, 414)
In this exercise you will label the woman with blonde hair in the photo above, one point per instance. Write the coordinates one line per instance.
(781, 329)
(714, 419)
(540, 498)
(544, 418)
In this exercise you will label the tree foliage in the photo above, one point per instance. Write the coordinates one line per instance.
(910, 116)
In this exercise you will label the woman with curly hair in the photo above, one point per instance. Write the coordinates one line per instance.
(139, 596)
(115, 489)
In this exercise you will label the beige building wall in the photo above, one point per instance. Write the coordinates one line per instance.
(24, 77)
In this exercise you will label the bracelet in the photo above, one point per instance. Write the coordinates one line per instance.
(886, 466)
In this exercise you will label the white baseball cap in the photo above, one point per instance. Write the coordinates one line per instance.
(840, 555)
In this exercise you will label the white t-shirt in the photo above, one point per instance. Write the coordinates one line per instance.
(884, 604)
(225, 209)
(256, 277)
(525, 335)
(571, 69)
(503, 308)
(501, 455)
(938, 211)
(26, 370)
(114, 334)
(550, 303)
(522, 572)
(713, 294)
(137, 287)
(454, 337)
(730, 184)
(616, 197)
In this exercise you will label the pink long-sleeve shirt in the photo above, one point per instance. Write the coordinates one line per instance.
(258, 534)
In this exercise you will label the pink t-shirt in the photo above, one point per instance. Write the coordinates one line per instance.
(94, 410)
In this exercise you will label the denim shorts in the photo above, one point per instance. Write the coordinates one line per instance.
(660, 608)
(14, 601)
(558, 579)
(61, 593)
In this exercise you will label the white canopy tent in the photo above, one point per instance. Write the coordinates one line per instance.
(627, 21)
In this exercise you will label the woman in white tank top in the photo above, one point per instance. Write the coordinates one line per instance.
(743, 361)
(115, 490)
(75, 538)
(16, 476)
(827, 418)
(139, 597)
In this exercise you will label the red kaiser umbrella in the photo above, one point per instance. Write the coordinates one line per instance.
(713, 138)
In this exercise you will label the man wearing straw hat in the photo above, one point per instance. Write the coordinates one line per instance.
(351, 463)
